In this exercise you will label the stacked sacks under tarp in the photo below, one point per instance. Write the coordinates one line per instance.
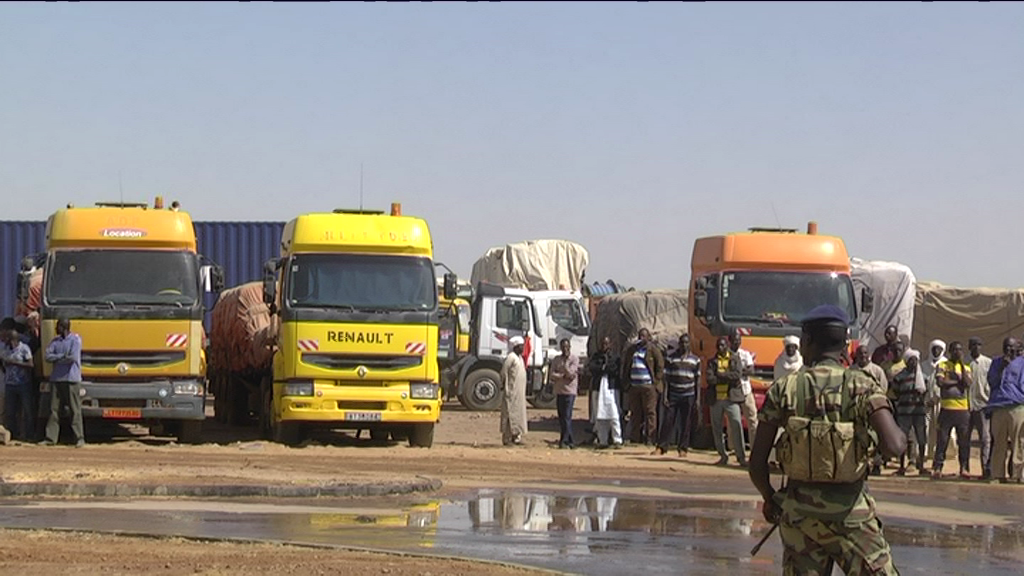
(894, 287)
(621, 316)
(533, 265)
(950, 313)
(243, 333)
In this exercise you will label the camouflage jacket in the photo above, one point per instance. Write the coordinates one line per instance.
(847, 503)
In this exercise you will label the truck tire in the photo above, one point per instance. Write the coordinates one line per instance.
(379, 434)
(481, 390)
(266, 406)
(288, 433)
(545, 398)
(421, 435)
(190, 432)
(236, 400)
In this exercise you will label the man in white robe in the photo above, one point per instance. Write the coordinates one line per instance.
(513, 403)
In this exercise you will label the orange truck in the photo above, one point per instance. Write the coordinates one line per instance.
(763, 282)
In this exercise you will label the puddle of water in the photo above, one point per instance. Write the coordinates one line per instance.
(583, 534)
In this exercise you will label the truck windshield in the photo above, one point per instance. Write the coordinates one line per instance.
(114, 277)
(361, 282)
(782, 297)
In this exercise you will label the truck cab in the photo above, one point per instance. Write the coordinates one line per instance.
(762, 283)
(355, 295)
(129, 278)
(542, 317)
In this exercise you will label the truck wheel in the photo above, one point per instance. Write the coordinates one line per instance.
(422, 435)
(288, 433)
(544, 398)
(482, 390)
(379, 434)
(190, 432)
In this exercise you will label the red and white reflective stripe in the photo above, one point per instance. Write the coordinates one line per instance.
(744, 331)
(419, 348)
(309, 345)
(176, 340)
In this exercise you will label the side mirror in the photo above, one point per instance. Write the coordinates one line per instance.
(700, 304)
(451, 288)
(867, 300)
(270, 284)
(701, 283)
(217, 278)
(525, 325)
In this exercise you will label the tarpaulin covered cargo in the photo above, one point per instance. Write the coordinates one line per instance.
(894, 287)
(243, 331)
(533, 265)
(621, 316)
(950, 313)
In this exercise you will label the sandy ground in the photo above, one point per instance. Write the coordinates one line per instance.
(44, 553)
(467, 453)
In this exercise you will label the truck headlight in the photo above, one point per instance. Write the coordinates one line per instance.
(188, 388)
(299, 388)
(423, 391)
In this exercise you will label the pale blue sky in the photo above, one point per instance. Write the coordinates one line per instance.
(630, 128)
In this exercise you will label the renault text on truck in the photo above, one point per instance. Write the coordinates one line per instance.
(354, 295)
(130, 280)
(541, 317)
(762, 282)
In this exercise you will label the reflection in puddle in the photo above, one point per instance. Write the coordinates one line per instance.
(586, 534)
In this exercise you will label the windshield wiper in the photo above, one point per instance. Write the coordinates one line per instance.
(85, 302)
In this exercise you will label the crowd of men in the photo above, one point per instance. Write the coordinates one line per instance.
(19, 394)
(647, 396)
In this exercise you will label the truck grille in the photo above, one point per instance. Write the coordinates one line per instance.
(143, 359)
(356, 405)
(353, 361)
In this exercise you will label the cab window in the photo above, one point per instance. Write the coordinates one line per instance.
(568, 314)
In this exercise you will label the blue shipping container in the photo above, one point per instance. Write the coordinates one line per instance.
(240, 248)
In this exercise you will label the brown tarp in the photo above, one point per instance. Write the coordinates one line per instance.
(621, 316)
(242, 331)
(949, 313)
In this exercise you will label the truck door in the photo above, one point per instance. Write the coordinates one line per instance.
(567, 319)
(503, 318)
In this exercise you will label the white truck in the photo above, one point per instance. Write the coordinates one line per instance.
(541, 317)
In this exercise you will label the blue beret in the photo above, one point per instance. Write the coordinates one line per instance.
(827, 313)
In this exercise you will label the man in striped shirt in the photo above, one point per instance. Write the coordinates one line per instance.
(682, 367)
(643, 367)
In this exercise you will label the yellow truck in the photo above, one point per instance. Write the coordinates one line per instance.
(354, 304)
(129, 278)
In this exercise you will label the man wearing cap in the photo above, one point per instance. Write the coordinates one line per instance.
(825, 519)
(513, 403)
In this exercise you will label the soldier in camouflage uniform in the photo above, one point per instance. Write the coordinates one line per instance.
(825, 522)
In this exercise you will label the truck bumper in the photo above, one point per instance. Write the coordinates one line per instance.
(353, 406)
(155, 400)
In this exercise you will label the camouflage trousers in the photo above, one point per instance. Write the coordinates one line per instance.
(810, 546)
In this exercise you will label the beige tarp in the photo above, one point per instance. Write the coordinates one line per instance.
(949, 313)
(621, 316)
(533, 265)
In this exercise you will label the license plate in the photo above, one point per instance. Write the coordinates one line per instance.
(362, 416)
(134, 413)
